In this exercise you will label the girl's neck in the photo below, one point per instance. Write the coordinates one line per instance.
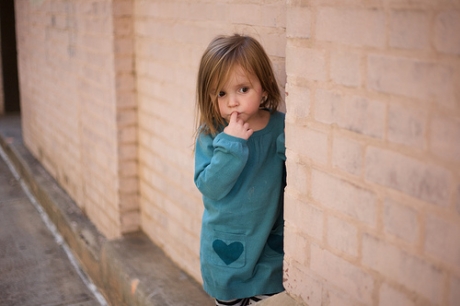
(260, 120)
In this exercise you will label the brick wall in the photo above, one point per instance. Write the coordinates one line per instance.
(373, 146)
(78, 103)
(48, 66)
(171, 36)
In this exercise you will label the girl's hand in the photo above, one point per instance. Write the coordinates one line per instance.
(238, 128)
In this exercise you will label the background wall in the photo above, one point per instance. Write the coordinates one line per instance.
(77, 90)
(373, 152)
(373, 127)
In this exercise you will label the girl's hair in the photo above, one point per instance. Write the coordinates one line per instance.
(222, 54)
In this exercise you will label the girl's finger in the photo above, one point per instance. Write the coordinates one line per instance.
(233, 117)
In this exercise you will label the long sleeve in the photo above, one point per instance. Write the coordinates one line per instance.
(218, 164)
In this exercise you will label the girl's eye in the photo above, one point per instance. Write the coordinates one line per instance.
(221, 94)
(244, 89)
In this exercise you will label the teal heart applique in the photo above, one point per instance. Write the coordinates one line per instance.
(275, 242)
(228, 252)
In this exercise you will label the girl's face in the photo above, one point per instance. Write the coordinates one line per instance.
(243, 94)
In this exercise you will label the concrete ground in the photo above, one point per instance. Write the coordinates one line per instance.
(34, 268)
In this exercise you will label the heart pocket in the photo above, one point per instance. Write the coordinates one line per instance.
(228, 252)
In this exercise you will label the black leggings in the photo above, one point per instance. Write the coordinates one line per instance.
(243, 302)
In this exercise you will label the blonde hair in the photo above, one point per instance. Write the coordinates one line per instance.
(222, 54)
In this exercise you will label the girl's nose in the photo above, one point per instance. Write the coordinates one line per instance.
(232, 101)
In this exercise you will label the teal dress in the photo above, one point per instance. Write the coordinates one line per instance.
(242, 183)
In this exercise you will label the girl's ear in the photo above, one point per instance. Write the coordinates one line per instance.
(264, 96)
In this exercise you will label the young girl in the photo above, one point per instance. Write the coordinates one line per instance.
(239, 169)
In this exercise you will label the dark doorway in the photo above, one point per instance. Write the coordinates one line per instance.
(9, 56)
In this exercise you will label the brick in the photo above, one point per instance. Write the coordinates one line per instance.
(363, 116)
(129, 202)
(346, 68)
(274, 43)
(301, 283)
(298, 99)
(298, 177)
(403, 268)
(129, 184)
(262, 15)
(127, 151)
(123, 8)
(421, 180)
(444, 138)
(342, 274)
(357, 27)
(128, 168)
(412, 78)
(347, 198)
(311, 218)
(295, 245)
(447, 27)
(442, 240)
(338, 298)
(347, 155)
(342, 236)
(407, 126)
(98, 43)
(127, 117)
(454, 296)
(310, 143)
(410, 30)
(130, 222)
(126, 99)
(327, 104)
(306, 63)
(124, 64)
(101, 24)
(298, 22)
(127, 134)
(457, 199)
(400, 220)
(124, 46)
(355, 113)
(389, 296)
(94, 8)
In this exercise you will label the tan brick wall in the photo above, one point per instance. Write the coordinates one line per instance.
(47, 44)
(78, 106)
(170, 39)
(373, 144)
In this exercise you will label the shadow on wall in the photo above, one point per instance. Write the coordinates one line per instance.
(9, 96)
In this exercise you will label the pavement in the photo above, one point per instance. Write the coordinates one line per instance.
(51, 254)
(34, 267)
